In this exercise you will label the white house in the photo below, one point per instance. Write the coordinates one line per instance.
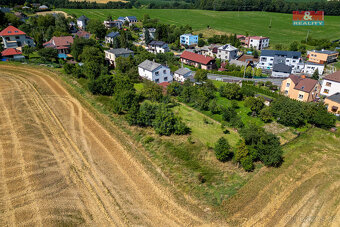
(14, 38)
(156, 47)
(154, 71)
(112, 54)
(131, 19)
(109, 38)
(113, 23)
(269, 58)
(257, 42)
(227, 52)
(182, 74)
(82, 22)
(331, 84)
(281, 70)
(310, 68)
(152, 32)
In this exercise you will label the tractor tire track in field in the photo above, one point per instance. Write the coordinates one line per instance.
(61, 167)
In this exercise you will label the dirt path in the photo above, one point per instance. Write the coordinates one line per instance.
(59, 166)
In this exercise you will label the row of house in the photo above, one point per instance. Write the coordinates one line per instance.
(283, 63)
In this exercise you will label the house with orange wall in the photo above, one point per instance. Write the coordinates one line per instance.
(322, 56)
(301, 88)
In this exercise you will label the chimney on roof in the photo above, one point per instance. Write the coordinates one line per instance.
(303, 76)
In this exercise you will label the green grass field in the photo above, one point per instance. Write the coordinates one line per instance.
(205, 132)
(255, 23)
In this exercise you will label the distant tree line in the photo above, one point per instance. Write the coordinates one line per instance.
(280, 6)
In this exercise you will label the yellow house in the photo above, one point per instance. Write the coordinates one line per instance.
(322, 56)
(333, 103)
(300, 88)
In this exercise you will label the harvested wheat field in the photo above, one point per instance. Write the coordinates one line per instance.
(59, 166)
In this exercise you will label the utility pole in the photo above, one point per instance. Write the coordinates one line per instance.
(307, 35)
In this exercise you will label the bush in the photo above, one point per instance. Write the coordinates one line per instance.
(222, 150)
(236, 122)
(213, 107)
(266, 115)
(103, 85)
(255, 104)
(288, 112)
(228, 114)
(69, 68)
(247, 163)
(230, 91)
(234, 104)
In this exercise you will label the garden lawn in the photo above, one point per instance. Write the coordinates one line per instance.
(242, 111)
(206, 132)
(255, 23)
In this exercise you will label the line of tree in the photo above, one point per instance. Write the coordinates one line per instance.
(280, 6)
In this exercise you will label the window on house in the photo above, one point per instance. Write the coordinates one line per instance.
(157, 73)
(165, 78)
(286, 92)
(300, 96)
(164, 71)
(328, 84)
(326, 91)
(288, 84)
(157, 80)
(17, 37)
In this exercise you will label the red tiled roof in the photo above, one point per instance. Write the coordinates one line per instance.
(83, 34)
(196, 57)
(59, 41)
(257, 37)
(333, 77)
(11, 30)
(10, 52)
(303, 84)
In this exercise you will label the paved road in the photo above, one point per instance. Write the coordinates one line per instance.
(275, 81)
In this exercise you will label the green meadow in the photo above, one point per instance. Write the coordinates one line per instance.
(255, 23)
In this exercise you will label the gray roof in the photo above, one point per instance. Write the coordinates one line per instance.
(120, 51)
(82, 18)
(227, 47)
(288, 54)
(282, 68)
(182, 71)
(113, 34)
(149, 65)
(335, 97)
(325, 51)
(157, 43)
(132, 17)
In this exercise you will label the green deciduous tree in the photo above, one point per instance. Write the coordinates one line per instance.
(222, 150)
(97, 28)
(230, 91)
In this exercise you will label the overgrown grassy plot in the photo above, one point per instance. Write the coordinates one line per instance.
(207, 130)
(255, 23)
(304, 185)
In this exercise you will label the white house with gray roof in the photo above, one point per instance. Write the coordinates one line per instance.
(269, 58)
(82, 22)
(154, 71)
(227, 52)
(112, 54)
(182, 74)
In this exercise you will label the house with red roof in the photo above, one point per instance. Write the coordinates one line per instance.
(62, 44)
(14, 38)
(83, 34)
(11, 53)
(198, 60)
(301, 88)
(257, 42)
